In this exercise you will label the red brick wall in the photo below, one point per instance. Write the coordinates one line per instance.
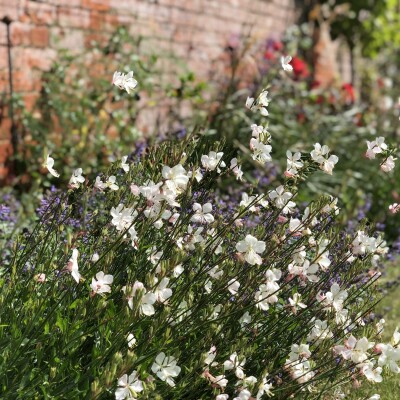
(194, 29)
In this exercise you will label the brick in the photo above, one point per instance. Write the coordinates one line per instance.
(40, 13)
(41, 58)
(73, 18)
(39, 36)
(9, 9)
(20, 34)
(71, 3)
(5, 128)
(98, 5)
(95, 38)
(30, 100)
(3, 57)
(5, 151)
(3, 172)
(71, 39)
(22, 81)
(96, 21)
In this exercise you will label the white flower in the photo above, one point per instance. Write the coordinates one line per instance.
(388, 164)
(178, 270)
(373, 375)
(261, 151)
(147, 299)
(233, 286)
(49, 163)
(380, 326)
(264, 297)
(245, 319)
(294, 160)
(375, 397)
(220, 380)
(198, 175)
(95, 257)
(328, 164)
(244, 394)
(131, 340)
(102, 283)
(177, 177)
(99, 184)
(375, 147)
(76, 178)
(319, 332)
(299, 351)
(222, 397)
(211, 355)
(124, 164)
(264, 388)
(263, 99)
(73, 265)
(389, 357)
(355, 350)
(111, 183)
(215, 272)
(363, 244)
(251, 247)
(249, 102)
(260, 105)
(296, 301)
(395, 340)
(128, 386)
(335, 297)
(319, 152)
(213, 161)
(124, 81)
(202, 213)
(302, 371)
(233, 363)
(285, 63)
(122, 217)
(162, 292)
(282, 199)
(166, 369)
(236, 169)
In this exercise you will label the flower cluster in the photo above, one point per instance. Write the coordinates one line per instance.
(188, 298)
(378, 148)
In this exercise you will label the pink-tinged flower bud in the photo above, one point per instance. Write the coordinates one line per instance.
(282, 219)
(239, 223)
(135, 189)
(356, 384)
(289, 278)
(40, 278)
(288, 174)
(239, 257)
(378, 348)
(394, 208)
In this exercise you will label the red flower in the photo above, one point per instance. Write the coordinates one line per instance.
(269, 55)
(277, 46)
(301, 118)
(348, 92)
(315, 84)
(300, 68)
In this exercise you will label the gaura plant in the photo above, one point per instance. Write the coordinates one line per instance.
(151, 283)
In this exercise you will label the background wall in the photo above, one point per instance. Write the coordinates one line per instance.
(196, 30)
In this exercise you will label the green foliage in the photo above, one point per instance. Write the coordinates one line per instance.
(85, 121)
(60, 340)
(301, 114)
